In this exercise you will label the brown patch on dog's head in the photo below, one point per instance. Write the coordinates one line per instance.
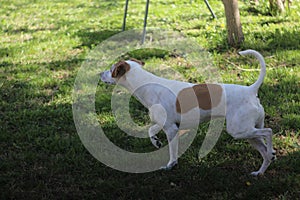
(120, 69)
(138, 61)
(205, 96)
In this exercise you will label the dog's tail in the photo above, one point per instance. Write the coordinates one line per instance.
(262, 74)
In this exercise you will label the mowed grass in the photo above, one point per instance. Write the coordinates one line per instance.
(44, 43)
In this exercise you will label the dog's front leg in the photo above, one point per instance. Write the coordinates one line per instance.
(153, 130)
(172, 137)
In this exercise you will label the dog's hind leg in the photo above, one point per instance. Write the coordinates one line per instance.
(256, 139)
(261, 125)
(267, 134)
(259, 144)
(153, 130)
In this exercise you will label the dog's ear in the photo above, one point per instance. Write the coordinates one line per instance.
(120, 69)
(138, 61)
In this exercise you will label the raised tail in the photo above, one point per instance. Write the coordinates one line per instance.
(262, 73)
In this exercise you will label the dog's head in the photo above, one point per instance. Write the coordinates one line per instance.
(119, 70)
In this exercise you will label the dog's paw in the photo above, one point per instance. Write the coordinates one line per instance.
(272, 156)
(156, 142)
(169, 166)
(257, 173)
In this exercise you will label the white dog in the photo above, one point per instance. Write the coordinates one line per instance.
(173, 104)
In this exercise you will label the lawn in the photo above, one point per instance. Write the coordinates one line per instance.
(43, 44)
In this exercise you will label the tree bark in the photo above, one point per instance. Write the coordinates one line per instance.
(277, 6)
(234, 27)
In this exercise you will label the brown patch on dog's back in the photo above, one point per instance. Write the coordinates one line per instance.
(205, 96)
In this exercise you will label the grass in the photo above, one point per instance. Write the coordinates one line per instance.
(44, 43)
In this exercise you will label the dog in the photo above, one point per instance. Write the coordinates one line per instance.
(171, 103)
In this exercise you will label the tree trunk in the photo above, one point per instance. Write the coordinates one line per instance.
(277, 6)
(234, 27)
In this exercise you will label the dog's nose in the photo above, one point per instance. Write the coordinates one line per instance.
(101, 73)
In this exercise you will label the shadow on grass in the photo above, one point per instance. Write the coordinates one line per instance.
(285, 39)
(273, 21)
(279, 40)
(29, 93)
(270, 40)
(256, 12)
(78, 175)
(91, 38)
(70, 65)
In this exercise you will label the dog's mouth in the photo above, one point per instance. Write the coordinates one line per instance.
(104, 78)
(109, 83)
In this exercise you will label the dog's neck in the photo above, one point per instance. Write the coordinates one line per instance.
(136, 78)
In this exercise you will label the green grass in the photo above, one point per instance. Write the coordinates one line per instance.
(44, 43)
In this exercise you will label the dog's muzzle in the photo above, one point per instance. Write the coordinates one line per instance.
(106, 77)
